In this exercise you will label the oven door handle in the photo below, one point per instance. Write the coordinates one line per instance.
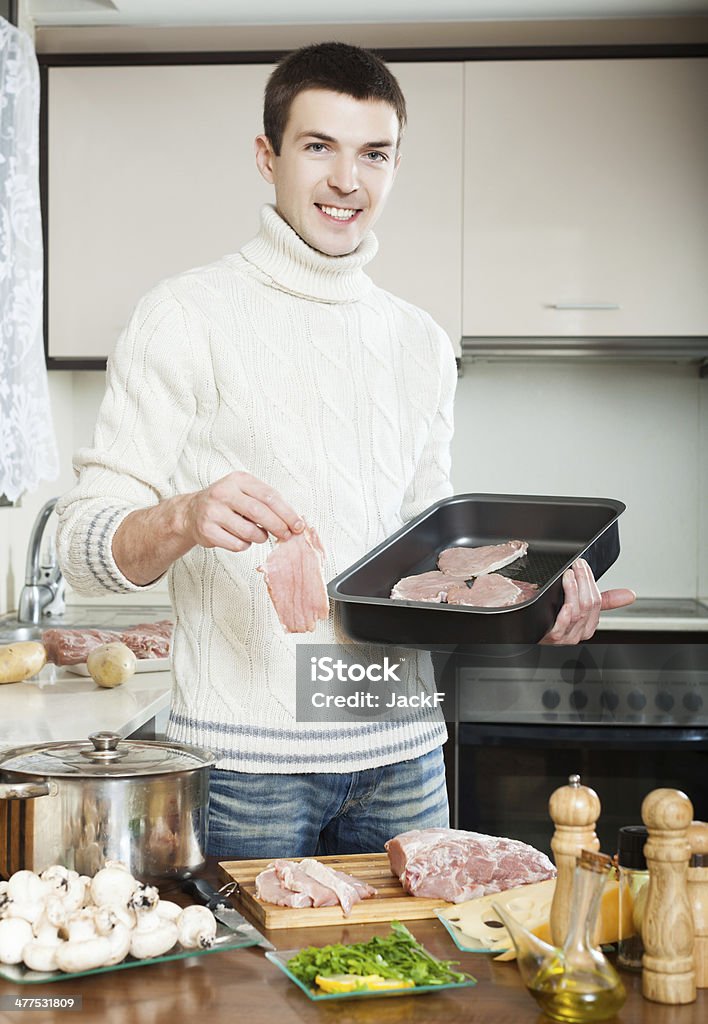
(622, 737)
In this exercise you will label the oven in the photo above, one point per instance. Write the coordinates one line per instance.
(628, 718)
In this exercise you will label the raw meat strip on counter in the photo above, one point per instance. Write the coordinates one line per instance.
(490, 591)
(454, 865)
(465, 562)
(72, 646)
(294, 576)
(426, 586)
(309, 883)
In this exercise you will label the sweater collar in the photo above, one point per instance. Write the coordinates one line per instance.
(294, 266)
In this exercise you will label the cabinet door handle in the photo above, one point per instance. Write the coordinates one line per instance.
(585, 305)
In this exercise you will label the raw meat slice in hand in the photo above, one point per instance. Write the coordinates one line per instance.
(465, 562)
(294, 576)
(426, 586)
(455, 865)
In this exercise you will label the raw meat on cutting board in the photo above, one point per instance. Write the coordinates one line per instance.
(294, 576)
(309, 883)
(456, 865)
(465, 562)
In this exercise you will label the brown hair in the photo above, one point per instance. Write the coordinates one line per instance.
(338, 67)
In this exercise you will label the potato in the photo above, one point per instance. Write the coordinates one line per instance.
(111, 664)
(20, 661)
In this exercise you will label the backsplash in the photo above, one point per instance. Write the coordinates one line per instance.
(633, 431)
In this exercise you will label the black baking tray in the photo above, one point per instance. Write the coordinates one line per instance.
(558, 530)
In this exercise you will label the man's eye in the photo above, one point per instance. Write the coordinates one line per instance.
(316, 147)
(377, 158)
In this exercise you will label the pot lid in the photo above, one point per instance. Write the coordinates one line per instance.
(105, 753)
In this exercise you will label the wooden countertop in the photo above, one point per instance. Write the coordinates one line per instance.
(241, 985)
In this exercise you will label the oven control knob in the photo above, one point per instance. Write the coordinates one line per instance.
(692, 701)
(636, 700)
(609, 700)
(573, 671)
(664, 701)
(550, 699)
(578, 699)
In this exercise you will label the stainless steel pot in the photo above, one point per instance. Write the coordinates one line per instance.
(82, 803)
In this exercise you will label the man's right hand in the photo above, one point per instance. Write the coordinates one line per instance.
(237, 511)
(231, 513)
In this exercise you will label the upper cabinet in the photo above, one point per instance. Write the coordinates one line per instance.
(151, 171)
(586, 198)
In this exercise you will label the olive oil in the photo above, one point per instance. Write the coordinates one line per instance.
(575, 999)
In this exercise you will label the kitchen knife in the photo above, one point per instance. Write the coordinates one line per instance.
(218, 902)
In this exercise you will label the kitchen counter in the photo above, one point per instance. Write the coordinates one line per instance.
(59, 705)
(241, 985)
(654, 614)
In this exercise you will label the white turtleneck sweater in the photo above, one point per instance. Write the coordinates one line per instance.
(293, 366)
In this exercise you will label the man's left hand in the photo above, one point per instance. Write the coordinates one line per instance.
(578, 618)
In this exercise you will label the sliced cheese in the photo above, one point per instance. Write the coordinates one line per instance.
(478, 925)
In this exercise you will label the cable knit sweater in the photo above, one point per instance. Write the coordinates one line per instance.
(294, 366)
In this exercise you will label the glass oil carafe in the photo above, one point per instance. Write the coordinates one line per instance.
(576, 983)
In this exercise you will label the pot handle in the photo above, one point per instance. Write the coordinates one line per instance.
(27, 790)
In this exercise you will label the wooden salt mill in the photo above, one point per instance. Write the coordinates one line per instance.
(698, 897)
(667, 927)
(574, 810)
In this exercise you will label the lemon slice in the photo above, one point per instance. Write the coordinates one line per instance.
(352, 982)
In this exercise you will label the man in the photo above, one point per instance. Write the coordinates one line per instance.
(274, 386)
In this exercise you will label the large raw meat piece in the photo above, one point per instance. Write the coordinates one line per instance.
(454, 865)
(294, 576)
(426, 586)
(465, 562)
(73, 646)
(490, 591)
(149, 639)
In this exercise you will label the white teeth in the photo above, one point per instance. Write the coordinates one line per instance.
(333, 211)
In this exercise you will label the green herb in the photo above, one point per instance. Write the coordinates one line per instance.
(397, 955)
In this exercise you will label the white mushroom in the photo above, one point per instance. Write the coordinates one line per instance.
(40, 953)
(118, 933)
(15, 933)
(26, 894)
(126, 915)
(144, 897)
(153, 935)
(112, 884)
(84, 949)
(196, 928)
(171, 911)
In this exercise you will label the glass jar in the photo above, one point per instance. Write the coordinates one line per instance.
(633, 889)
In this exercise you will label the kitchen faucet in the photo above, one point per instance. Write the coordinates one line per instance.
(43, 592)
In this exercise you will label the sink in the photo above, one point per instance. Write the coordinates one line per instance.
(83, 617)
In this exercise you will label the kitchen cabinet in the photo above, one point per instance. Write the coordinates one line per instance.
(151, 171)
(586, 198)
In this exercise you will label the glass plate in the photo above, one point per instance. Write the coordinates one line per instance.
(472, 946)
(280, 959)
(225, 940)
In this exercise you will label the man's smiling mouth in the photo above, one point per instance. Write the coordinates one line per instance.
(338, 213)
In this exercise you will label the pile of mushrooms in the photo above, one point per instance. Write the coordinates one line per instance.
(61, 920)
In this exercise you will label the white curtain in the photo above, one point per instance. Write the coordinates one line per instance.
(28, 451)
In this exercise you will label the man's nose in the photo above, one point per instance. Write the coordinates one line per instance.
(344, 175)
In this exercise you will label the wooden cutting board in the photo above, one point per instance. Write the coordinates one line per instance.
(391, 903)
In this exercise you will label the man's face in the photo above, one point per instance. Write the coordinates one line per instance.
(336, 166)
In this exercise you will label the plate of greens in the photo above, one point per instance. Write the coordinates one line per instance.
(387, 965)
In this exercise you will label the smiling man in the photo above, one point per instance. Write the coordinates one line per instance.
(274, 386)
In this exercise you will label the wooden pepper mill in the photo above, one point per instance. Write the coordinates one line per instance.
(698, 897)
(574, 810)
(667, 926)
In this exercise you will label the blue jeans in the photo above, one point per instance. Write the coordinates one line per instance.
(311, 814)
